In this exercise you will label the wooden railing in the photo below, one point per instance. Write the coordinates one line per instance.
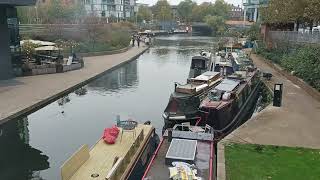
(120, 166)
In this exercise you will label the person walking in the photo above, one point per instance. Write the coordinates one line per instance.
(138, 41)
(133, 39)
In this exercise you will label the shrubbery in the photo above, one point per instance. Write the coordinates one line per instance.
(304, 62)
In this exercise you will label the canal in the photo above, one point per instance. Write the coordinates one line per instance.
(36, 145)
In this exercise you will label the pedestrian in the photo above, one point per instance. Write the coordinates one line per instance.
(133, 39)
(138, 41)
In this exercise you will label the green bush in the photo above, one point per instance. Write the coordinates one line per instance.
(303, 61)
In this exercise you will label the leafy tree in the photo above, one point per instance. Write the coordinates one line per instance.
(217, 23)
(200, 11)
(144, 13)
(220, 8)
(162, 10)
(288, 11)
(184, 10)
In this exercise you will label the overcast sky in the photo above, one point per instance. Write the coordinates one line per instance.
(175, 2)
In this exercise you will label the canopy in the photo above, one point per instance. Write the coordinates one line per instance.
(42, 43)
(47, 48)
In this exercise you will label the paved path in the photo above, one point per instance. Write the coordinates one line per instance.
(22, 94)
(296, 123)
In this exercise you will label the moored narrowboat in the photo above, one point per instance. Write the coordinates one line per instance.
(184, 102)
(184, 152)
(230, 100)
(125, 159)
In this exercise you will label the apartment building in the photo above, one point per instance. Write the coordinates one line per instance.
(251, 9)
(120, 9)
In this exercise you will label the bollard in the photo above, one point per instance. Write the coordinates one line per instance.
(170, 134)
(277, 94)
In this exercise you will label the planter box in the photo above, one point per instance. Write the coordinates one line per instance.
(39, 71)
(71, 67)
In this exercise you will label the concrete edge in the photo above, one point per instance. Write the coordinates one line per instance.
(306, 87)
(53, 98)
(221, 162)
(100, 53)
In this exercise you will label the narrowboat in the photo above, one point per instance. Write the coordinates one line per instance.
(184, 102)
(127, 158)
(230, 100)
(184, 152)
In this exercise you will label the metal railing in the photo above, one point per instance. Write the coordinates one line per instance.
(295, 37)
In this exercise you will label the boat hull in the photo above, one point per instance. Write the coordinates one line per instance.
(227, 118)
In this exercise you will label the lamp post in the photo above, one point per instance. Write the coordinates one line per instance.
(36, 13)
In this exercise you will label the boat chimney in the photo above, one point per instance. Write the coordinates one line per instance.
(170, 134)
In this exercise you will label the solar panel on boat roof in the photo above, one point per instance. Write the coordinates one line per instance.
(181, 149)
(227, 85)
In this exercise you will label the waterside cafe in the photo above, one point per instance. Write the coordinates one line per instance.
(9, 32)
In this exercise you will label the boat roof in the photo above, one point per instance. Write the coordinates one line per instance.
(227, 85)
(206, 76)
(100, 159)
(200, 58)
(159, 168)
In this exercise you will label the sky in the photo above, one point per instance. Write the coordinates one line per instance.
(175, 2)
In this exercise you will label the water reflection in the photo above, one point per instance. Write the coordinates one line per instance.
(124, 77)
(18, 159)
(81, 91)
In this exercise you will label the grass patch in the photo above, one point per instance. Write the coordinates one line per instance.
(257, 162)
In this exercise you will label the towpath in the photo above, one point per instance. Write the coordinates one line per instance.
(296, 123)
(23, 94)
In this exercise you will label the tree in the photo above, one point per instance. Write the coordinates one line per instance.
(200, 11)
(220, 8)
(185, 10)
(162, 10)
(288, 11)
(217, 23)
(144, 13)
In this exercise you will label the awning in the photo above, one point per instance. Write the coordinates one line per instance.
(47, 48)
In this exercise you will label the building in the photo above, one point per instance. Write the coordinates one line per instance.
(120, 9)
(236, 13)
(9, 33)
(251, 9)
(174, 12)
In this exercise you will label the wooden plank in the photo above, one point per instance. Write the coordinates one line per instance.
(114, 169)
(74, 162)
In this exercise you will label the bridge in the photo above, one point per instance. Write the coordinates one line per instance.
(202, 27)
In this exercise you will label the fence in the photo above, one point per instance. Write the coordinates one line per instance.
(26, 29)
(294, 37)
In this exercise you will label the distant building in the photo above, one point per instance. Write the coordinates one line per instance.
(174, 12)
(236, 13)
(120, 9)
(251, 9)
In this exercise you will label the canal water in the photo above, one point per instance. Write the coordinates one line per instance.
(36, 145)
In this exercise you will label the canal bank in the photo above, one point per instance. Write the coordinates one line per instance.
(295, 124)
(25, 94)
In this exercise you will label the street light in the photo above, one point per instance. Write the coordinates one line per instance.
(36, 13)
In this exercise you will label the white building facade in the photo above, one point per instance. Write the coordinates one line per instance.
(120, 9)
(251, 9)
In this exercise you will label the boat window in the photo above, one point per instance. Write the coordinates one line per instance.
(199, 64)
(215, 95)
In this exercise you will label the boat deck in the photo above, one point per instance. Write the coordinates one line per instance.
(106, 159)
(160, 171)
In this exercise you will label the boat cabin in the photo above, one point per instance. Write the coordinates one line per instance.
(200, 64)
(199, 83)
